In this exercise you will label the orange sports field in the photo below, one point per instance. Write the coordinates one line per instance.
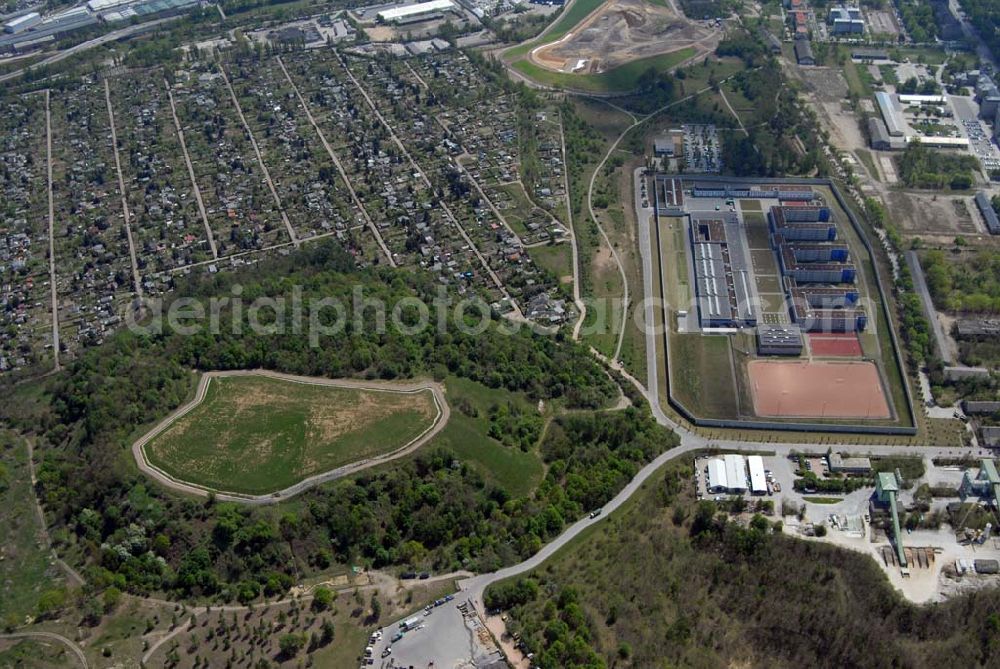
(803, 389)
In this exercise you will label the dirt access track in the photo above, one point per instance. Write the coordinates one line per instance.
(162, 477)
(621, 31)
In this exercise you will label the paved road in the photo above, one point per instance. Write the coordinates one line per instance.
(339, 166)
(76, 650)
(437, 391)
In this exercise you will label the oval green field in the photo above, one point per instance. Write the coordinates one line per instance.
(255, 434)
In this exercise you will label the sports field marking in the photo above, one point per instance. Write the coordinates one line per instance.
(817, 389)
(835, 345)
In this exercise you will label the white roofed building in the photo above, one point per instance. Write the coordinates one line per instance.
(717, 481)
(736, 473)
(410, 13)
(758, 481)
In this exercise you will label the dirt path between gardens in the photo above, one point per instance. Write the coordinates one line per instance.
(437, 390)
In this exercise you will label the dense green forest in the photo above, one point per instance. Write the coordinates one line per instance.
(781, 130)
(432, 511)
(985, 16)
(918, 18)
(969, 283)
(668, 582)
(921, 167)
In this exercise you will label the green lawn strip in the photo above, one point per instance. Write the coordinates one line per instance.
(234, 442)
(702, 374)
(622, 78)
(816, 499)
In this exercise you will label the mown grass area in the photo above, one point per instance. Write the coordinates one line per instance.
(466, 435)
(622, 78)
(256, 434)
(24, 570)
(702, 374)
(556, 258)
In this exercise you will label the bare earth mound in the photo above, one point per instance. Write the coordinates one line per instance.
(621, 31)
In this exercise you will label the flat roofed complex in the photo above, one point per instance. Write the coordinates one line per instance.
(736, 476)
(758, 481)
(838, 463)
(754, 192)
(891, 115)
(412, 12)
(779, 340)
(802, 223)
(989, 214)
(728, 474)
(717, 481)
(723, 285)
(826, 309)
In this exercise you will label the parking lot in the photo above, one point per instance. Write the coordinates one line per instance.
(980, 140)
(448, 635)
(701, 148)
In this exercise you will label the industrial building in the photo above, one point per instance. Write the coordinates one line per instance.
(886, 490)
(758, 481)
(784, 192)
(727, 474)
(921, 100)
(22, 23)
(980, 406)
(985, 207)
(984, 484)
(878, 135)
(779, 340)
(838, 463)
(891, 115)
(846, 21)
(723, 285)
(421, 11)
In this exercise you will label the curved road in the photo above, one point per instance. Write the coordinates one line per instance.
(51, 637)
(154, 472)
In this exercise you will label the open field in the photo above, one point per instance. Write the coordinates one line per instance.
(702, 377)
(619, 32)
(817, 389)
(256, 434)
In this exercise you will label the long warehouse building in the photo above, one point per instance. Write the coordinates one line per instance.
(891, 115)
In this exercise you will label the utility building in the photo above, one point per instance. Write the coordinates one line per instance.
(779, 340)
(758, 481)
(890, 114)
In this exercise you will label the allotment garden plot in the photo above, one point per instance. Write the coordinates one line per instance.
(257, 434)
